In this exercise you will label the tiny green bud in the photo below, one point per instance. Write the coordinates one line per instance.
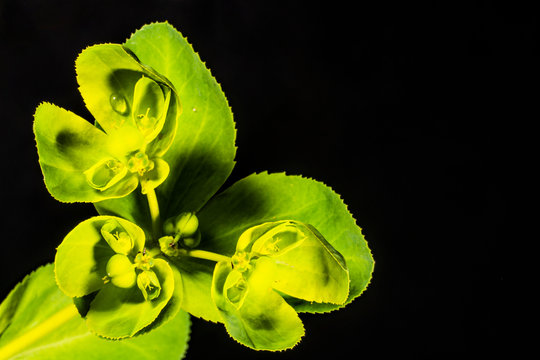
(149, 284)
(121, 272)
(169, 226)
(184, 227)
(193, 241)
(186, 224)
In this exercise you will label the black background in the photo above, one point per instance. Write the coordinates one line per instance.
(411, 112)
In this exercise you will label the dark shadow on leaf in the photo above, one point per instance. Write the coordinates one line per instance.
(102, 251)
(193, 179)
(83, 303)
(226, 216)
(123, 82)
(133, 207)
(66, 139)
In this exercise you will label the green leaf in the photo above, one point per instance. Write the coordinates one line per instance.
(264, 197)
(117, 313)
(201, 156)
(253, 313)
(73, 154)
(197, 284)
(133, 208)
(20, 314)
(81, 259)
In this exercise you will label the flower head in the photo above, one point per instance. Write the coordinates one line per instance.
(136, 111)
(105, 258)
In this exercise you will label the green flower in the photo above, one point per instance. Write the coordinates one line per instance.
(283, 257)
(136, 112)
(105, 258)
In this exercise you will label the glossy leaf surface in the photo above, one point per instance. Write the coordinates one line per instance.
(254, 314)
(20, 313)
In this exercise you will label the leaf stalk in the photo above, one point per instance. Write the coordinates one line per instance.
(206, 255)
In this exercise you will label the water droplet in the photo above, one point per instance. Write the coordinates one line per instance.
(119, 104)
(194, 109)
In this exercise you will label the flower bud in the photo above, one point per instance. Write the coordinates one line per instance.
(120, 271)
(184, 227)
(186, 224)
(169, 226)
(193, 241)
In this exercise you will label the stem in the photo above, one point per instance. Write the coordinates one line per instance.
(45, 328)
(154, 211)
(153, 252)
(207, 255)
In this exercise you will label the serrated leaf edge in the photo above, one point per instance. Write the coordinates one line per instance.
(348, 301)
(276, 350)
(167, 24)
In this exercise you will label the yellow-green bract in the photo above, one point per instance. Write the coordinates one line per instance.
(106, 256)
(286, 257)
(136, 113)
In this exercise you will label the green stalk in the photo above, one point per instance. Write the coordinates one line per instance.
(154, 212)
(206, 255)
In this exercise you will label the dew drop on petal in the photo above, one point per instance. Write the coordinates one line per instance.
(118, 103)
